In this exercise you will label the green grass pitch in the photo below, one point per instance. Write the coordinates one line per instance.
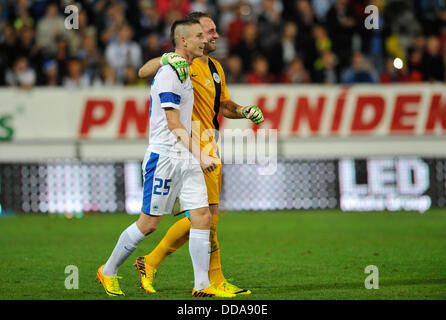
(284, 255)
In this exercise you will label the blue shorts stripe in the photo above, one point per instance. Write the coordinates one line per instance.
(148, 182)
(169, 97)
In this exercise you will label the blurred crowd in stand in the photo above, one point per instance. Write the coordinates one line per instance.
(261, 41)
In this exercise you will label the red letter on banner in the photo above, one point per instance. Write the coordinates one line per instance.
(339, 110)
(401, 113)
(274, 116)
(437, 113)
(312, 115)
(132, 114)
(359, 124)
(91, 117)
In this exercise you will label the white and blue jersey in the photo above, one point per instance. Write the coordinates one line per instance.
(167, 167)
(168, 92)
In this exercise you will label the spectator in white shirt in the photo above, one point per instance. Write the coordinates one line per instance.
(123, 52)
(21, 75)
(76, 77)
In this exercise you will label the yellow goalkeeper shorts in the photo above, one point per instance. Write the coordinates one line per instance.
(213, 184)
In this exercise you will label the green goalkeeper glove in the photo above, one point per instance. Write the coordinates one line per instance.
(178, 63)
(253, 113)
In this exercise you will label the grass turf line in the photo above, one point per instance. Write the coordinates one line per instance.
(285, 255)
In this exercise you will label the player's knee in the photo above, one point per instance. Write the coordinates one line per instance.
(206, 217)
(201, 217)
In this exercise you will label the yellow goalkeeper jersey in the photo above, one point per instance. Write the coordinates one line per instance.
(209, 81)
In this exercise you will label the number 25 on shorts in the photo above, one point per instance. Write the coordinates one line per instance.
(159, 183)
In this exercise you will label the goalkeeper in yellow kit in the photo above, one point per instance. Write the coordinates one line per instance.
(210, 98)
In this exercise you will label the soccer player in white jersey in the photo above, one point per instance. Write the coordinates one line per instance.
(172, 167)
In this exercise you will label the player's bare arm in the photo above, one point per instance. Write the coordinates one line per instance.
(150, 68)
(230, 109)
(207, 163)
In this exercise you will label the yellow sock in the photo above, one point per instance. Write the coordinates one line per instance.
(215, 273)
(176, 236)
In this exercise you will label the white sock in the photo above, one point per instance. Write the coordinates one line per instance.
(199, 249)
(127, 243)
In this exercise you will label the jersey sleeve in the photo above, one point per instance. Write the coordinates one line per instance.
(169, 89)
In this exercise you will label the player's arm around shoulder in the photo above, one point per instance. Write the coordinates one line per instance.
(150, 68)
(177, 62)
